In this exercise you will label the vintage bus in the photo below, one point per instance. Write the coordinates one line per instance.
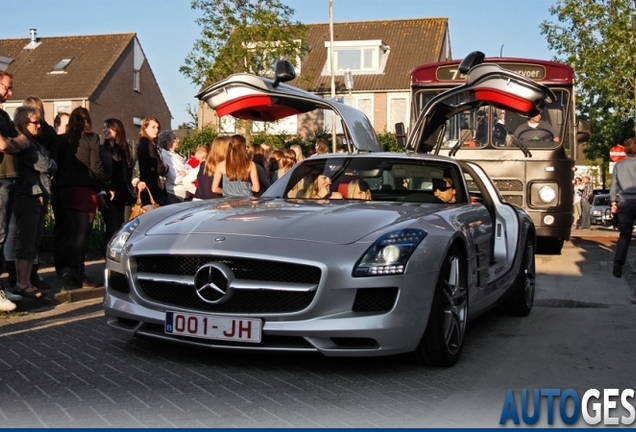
(531, 161)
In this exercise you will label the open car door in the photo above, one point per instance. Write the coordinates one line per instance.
(486, 84)
(251, 97)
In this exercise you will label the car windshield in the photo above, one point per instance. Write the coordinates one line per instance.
(601, 200)
(372, 178)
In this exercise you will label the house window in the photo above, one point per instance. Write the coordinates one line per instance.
(10, 107)
(60, 67)
(362, 102)
(137, 121)
(357, 56)
(136, 80)
(287, 125)
(397, 110)
(227, 125)
(62, 106)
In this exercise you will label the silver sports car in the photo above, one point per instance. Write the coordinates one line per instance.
(348, 254)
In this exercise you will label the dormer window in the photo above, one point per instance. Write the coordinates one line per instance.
(60, 67)
(359, 57)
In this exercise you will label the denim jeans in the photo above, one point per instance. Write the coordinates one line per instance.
(7, 200)
(585, 214)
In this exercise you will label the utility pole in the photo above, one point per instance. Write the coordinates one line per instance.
(333, 80)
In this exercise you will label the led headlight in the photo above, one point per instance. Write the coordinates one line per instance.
(117, 243)
(390, 253)
(547, 194)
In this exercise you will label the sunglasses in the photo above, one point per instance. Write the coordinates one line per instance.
(443, 188)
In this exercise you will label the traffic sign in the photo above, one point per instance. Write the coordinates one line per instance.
(617, 153)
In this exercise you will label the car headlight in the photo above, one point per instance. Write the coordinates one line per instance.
(117, 243)
(597, 213)
(547, 194)
(390, 253)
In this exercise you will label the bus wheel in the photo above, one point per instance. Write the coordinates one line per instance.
(549, 245)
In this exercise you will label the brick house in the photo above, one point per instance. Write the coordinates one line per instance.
(379, 55)
(108, 74)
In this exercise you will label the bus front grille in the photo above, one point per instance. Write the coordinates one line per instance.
(514, 199)
(505, 185)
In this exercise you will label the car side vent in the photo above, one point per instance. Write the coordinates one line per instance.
(374, 299)
(118, 282)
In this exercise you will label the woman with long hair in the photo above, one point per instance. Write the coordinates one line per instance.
(237, 174)
(205, 174)
(81, 177)
(152, 169)
(119, 162)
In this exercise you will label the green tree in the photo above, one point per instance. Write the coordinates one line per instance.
(598, 38)
(242, 36)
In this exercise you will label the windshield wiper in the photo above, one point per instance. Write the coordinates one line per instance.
(518, 143)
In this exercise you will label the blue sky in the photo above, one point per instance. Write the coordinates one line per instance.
(166, 28)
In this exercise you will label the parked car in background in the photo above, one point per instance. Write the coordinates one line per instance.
(600, 213)
(348, 254)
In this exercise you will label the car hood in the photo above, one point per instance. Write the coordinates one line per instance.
(341, 222)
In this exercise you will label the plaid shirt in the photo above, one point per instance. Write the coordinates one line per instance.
(587, 192)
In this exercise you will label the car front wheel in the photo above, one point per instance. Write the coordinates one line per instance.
(443, 338)
(522, 296)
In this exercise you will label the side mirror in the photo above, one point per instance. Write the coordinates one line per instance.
(284, 71)
(583, 131)
(472, 59)
(400, 135)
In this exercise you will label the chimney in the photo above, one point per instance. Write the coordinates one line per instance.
(34, 43)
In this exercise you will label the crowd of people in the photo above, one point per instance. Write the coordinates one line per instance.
(67, 167)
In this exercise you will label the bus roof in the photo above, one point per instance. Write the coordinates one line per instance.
(542, 71)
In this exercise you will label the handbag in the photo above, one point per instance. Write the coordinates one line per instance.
(138, 208)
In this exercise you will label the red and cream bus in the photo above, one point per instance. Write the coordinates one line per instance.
(530, 161)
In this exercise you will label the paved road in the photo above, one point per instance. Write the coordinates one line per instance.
(63, 367)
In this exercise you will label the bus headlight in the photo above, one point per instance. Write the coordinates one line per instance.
(547, 194)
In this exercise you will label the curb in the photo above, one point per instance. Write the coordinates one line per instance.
(29, 304)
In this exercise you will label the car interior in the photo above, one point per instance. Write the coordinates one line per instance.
(388, 180)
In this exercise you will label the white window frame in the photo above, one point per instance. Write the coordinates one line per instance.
(10, 107)
(62, 106)
(379, 56)
(227, 124)
(390, 122)
(352, 101)
(287, 126)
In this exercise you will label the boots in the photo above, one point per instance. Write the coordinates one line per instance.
(35, 279)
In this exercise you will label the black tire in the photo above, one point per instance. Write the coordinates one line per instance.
(522, 297)
(443, 339)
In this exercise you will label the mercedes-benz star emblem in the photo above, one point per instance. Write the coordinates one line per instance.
(213, 282)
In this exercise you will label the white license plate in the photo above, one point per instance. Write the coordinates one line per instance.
(214, 327)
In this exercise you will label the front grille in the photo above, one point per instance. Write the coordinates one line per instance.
(505, 185)
(243, 268)
(118, 282)
(514, 199)
(243, 301)
(374, 299)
